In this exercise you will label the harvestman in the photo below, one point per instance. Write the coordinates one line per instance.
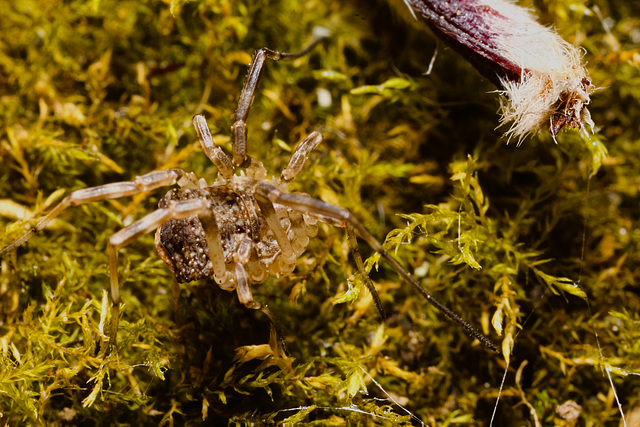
(242, 228)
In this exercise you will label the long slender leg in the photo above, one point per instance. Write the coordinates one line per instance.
(115, 190)
(244, 289)
(246, 298)
(344, 217)
(175, 210)
(355, 252)
(213, 152)
(300, 236)
(256, 272)
(216, 252)
(300, 156)
(269, 212)
(277, 327)
(175, 293)
(239, 128)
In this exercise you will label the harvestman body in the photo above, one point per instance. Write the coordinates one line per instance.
(242, 228)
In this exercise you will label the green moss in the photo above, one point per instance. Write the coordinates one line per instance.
(536, 245)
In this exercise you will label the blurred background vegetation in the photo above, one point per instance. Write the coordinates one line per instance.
(536, 245)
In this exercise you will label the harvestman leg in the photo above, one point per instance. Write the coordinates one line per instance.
(300, 156)
(239, 128)
(355, 253)
(213, 152)
(244, 290)
(344, 217)
(115, 190)
(181, 210)
(265, 202)
(175, 210)
(295, 165)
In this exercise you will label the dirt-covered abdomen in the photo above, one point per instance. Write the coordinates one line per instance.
(182, 242)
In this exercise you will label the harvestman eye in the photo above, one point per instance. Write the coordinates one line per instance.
(241, 229)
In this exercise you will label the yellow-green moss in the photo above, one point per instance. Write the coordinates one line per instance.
(511, 237)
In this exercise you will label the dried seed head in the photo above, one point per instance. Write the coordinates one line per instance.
(554, 87)
(542, 79)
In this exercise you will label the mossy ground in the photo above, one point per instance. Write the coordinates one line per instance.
(511, 237)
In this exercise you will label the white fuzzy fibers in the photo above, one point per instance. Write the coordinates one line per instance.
(553, 79)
